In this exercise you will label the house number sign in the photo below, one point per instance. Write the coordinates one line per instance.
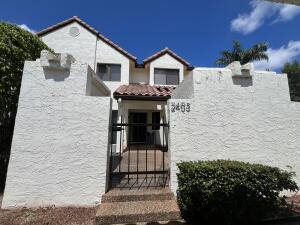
(182, 107)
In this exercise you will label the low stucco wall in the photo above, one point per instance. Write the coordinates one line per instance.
(251, 120)
(60, 142)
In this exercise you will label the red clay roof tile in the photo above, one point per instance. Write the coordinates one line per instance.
(144, 90)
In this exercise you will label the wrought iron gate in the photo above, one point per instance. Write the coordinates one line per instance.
(139, 162)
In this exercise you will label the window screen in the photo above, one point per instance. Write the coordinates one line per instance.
(109, 72)
(166, 76)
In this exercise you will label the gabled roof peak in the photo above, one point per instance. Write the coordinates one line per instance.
(166, 50)
(77, 19)
(89, 28)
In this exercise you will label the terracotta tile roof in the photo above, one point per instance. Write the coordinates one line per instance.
(88, 27)
(170, 52)
(144, 91)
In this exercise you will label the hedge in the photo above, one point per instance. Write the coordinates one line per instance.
(230, 192)
(16, 46)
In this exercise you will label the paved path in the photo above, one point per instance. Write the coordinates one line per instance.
(140, 160)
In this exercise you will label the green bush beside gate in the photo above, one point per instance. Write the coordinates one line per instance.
(230, 192)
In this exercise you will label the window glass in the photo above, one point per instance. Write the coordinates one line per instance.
(159, 77)
(109, 72)
(173, 77)
(115, 72)
(166, 76)
(102, 71)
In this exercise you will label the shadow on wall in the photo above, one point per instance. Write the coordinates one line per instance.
(242, 81)
(53, 74)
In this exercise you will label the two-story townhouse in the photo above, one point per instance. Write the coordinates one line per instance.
(61, 154)
(139, 90)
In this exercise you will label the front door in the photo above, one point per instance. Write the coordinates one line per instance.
(138, 132)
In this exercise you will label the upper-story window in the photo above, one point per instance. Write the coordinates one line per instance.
(109, 72)
(166, 76)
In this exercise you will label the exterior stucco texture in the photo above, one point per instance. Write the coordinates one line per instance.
(247, 119)
(60, 143)
(87, 48)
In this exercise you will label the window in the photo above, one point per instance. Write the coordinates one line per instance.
(166, 76)
(155, 120)
(114, 119)
(109, 72)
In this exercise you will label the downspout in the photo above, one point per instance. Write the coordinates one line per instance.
(95, 55)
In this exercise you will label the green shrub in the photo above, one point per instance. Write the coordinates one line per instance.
(230, 192)
(16, 46)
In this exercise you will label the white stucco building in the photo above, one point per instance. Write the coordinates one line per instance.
(92, 118)
(136, 86)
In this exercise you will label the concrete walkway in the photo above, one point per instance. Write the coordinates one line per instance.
(143, 205)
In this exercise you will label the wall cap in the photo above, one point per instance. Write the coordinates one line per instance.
(56, 61)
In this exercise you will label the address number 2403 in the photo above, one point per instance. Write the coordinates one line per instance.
(182, 107)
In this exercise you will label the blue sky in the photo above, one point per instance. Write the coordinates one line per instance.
(196, 30)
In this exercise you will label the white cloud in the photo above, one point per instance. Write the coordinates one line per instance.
(247, 23)
(278, 57)
(25, 27)
(262, 11)
(288, 12)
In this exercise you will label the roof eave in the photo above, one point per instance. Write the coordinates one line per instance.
(89, 28)
(171, 53)
(141, 97)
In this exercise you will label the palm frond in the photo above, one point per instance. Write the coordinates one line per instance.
(256, 53)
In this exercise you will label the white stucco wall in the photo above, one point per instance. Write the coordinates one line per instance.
(185, 89)
(139, 75)
(60, 142)
(82, 47)
(166, 62)
(107, 54)
(87, 47)
(234, 119)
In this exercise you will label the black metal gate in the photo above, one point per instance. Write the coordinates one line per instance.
(138, 162)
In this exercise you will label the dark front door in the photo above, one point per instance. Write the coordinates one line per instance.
(138, 132)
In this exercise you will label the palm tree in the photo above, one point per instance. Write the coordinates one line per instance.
(256, 53)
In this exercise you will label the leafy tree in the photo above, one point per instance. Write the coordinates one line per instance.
(16, 46)
(238, 53)
(293, 71)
